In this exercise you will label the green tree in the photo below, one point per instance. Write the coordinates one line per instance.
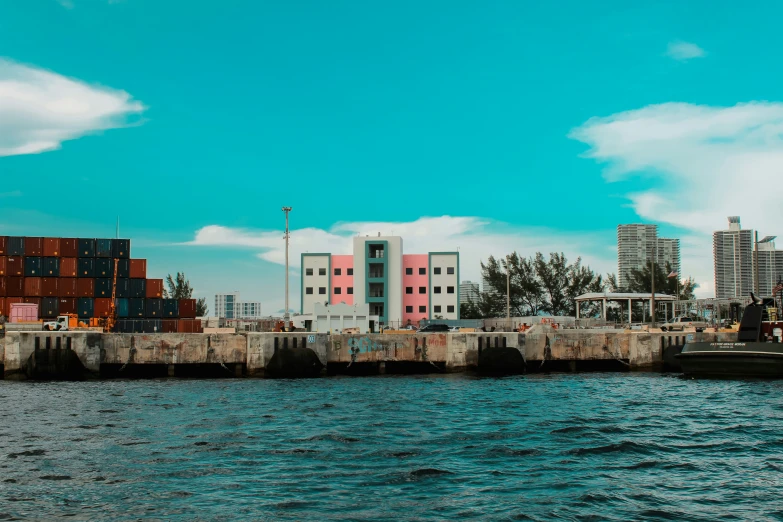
(179, 288)
(641, 281)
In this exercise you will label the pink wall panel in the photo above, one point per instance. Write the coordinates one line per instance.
(415, 261)
(342, 281)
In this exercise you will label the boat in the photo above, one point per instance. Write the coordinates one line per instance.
(757, 352)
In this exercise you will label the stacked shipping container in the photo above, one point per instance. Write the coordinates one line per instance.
(75, 276)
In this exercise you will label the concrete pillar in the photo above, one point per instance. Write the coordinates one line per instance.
(629, 312)
(603, 309)
(577, 309)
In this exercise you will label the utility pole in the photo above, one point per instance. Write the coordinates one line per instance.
(286, 316)
(508, 293)
(756, 263)
(652, 277)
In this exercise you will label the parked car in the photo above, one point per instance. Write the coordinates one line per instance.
(430, 328)
(683, 322)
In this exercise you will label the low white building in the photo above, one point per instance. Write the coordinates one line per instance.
(337, 317)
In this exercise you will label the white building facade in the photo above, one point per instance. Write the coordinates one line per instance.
(229, 306)
(733, 260)
(638, 244)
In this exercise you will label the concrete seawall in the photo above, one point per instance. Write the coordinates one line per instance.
(22, 354)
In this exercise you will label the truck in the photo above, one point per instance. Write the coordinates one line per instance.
(64, 323)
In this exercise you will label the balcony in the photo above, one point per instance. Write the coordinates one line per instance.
(376, 290)
(376, 252)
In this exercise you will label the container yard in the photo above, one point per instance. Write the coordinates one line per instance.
(95, 281)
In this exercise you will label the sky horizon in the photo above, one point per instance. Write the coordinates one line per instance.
(481, 128)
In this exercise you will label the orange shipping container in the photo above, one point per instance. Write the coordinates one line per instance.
(37, 302)
(2, 307)
(185, 326)
(187, 308)
(68, 267)
(32, 287)
(51, 247)
(154, 288)
(14, 266)
(85, 287)
(66, 287)
(102, 307)
(138, 269)
(33, 246)
(68, 306)
(49, 287)
(2, 266)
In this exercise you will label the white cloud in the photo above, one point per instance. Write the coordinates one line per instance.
(684, 51)
(475, 238)
(41, 109)
(707, 162)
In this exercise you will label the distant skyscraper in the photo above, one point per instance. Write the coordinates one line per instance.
(770, 268)
(468, 292)
(228, 306)
(733, 256)
(638, 244)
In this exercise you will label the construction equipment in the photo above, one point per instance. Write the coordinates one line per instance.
(109, 322)
(64, 323)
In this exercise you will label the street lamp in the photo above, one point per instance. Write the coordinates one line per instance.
(286, 316)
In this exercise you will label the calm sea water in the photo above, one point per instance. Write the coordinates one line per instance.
(579, 447)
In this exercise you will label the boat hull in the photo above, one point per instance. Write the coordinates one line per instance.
(749, 359)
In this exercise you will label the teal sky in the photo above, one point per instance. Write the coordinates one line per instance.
(357, 113)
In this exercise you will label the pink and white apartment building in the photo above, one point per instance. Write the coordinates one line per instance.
(399, 288)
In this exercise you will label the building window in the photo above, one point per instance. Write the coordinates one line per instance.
(338, 290)
(309, 290)
(308, 271)
(436, 270)
(408, 309)
(436, 289)
(436, 309)
(322, 290)
(422, 289)
(350, 290)
(321, 271)
(450, 270)
(349, 271)
(450, 309)
(408, 289)
(423, 309)
(422, 271)
(408, 271)
(337, 271)
(449, 289)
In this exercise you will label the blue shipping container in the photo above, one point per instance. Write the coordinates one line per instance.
(85, 267)
(103, 248)
(123, 307)
(33, 267)
(154, 308)
(86, 247)
(86, 307)
(104, 267)
(136, 308)
(120, 248)
(51, 267)
(123, 288)
(103, 287)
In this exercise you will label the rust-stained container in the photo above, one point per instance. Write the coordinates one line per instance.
(185, 326)
(33, 246)
(169, 326)
(103, 287)
(86, 267)
(14, 286)
(14, 266)
(49, 287)
(102, 307)
(85, 287)
(69, 267)
(67, 305)
(23, 312)
(3, 248)
(69, 247)
(51, 267)
(154, 288)
(51, 247)
(2, 287)
(32, 287)
(2, 265)
(15, 246)
(33, 300)
(67, 287)
(50, 307)
(187, 308)
(86, 247)
(138, 269)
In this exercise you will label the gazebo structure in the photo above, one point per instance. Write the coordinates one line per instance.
(606, 297)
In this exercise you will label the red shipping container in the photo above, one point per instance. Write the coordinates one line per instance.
(154, 288)
(85, 287)
(3, 246)
(33, 300)
(49, 287)
(51, 247)
(138, 269)
(67, 306)
(32, 287)
(14, 287)
(69, 247)
(8, 302)
(14, 266)
(102, 307)
(169, 326)
(66, 287)
(187, 308)
(33, 246)
(2, 286)
(23, 312)
(68, 267)
(2, 265)
(2, 306)
(185, 326)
